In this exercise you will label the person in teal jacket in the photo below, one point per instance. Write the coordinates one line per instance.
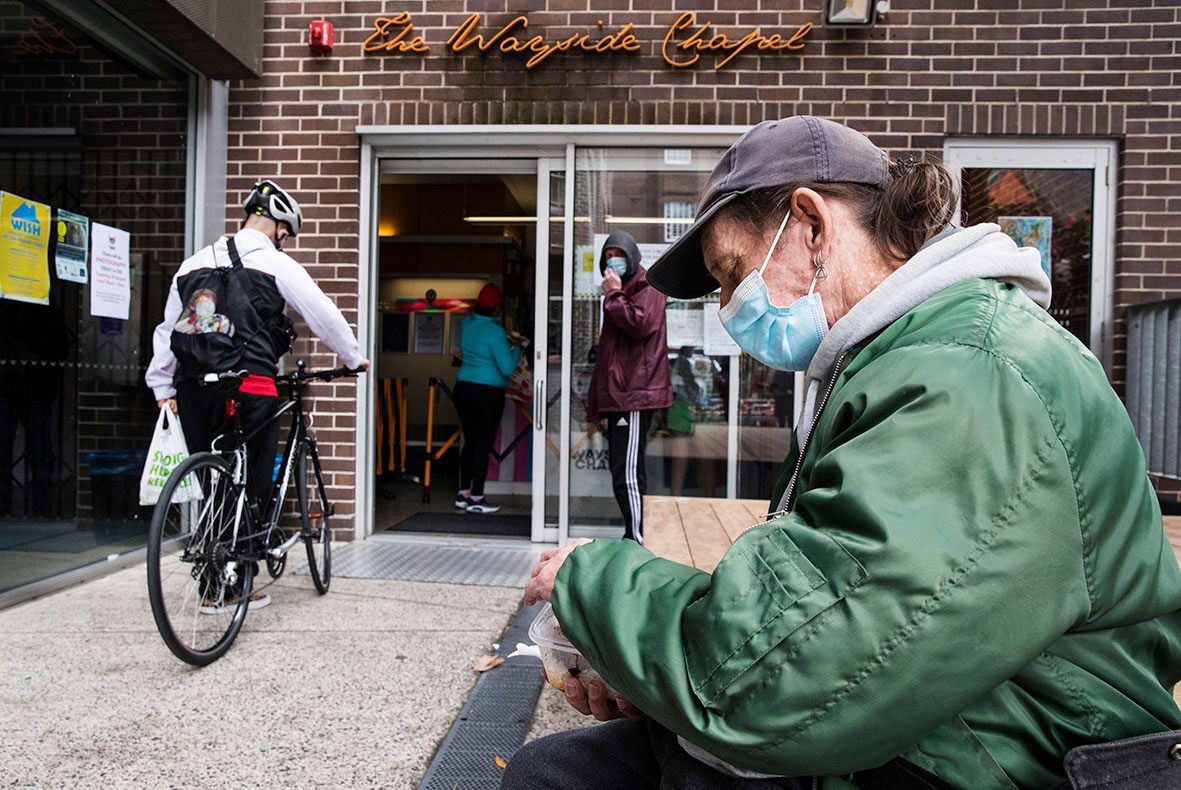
(488, 361)
(963, 575)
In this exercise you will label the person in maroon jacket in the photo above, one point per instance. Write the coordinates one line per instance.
(631, 378)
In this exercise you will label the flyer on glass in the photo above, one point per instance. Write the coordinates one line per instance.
(70, 253)
(24, 249)
(110, 272)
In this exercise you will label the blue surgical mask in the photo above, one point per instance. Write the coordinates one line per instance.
(783, 338)
(619, 265)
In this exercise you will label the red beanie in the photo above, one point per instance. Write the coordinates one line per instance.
(490, 296)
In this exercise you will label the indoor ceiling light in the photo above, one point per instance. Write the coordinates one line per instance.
(500, 220)
(649, 220)
(516, 220)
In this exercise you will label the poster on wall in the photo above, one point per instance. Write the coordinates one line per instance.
(24, 249)
(69, 257)
(110, 272)
(684, 326)
(428, 333)
(1033, 232)
(718, 342)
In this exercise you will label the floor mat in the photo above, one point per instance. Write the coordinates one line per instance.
(400, 559)
(466, 524)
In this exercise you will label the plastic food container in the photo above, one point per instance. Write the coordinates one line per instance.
(562, 659)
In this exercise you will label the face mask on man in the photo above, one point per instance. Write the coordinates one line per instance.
(619, 265)
(783, 338)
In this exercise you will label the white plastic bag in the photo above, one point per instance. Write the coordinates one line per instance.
(167, 450)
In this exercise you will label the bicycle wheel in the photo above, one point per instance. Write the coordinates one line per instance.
(313, 515)
(199, 600)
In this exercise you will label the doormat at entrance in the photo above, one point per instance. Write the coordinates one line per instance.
(465, 524)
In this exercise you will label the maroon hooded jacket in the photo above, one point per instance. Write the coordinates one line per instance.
(631, 369)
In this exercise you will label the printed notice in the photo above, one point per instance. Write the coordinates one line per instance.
(24, 249)
(428, 333)
(718, 342)
(70, 258)
(110, 272)
(684, 326)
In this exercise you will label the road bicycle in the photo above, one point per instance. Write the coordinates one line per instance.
(208, 533)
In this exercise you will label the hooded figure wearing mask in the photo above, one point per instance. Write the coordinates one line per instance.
(631, 378)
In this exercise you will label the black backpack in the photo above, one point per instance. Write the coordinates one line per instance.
(207, 339)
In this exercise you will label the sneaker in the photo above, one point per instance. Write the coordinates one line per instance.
(463, 501)
(482, 507)
(258, 600)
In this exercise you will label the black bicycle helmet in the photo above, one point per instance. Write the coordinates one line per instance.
(268, 199)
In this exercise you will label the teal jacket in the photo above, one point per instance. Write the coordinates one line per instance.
(487, 356)
(972, 573)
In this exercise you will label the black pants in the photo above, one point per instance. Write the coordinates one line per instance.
(203, 417)
(480, 408)
(621, 755)
(627, 439)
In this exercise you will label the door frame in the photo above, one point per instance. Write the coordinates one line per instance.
(1102, 158)
(493, 144)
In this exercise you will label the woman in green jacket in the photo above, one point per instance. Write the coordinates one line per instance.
(964, 574)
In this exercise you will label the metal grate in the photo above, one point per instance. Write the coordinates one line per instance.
(495, 720)
(1154, 383)
(476, 564)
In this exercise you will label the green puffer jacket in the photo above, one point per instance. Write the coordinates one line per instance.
(972, 574)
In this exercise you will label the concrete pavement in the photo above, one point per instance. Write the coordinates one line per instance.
(352, 689)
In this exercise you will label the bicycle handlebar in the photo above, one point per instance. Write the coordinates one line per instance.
(298, 377)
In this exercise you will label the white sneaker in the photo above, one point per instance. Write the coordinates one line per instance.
(259, 600)
(482, 507)
(462, 502)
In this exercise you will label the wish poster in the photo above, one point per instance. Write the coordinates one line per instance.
(24, 249)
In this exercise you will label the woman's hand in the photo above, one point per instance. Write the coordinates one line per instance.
(595, 702)
(541, 582)
(169, 402)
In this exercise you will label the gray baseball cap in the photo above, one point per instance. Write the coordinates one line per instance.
(797, 150)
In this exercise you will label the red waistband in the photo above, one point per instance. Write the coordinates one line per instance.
(259, 385)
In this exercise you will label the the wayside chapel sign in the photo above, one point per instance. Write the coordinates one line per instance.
(684, 42)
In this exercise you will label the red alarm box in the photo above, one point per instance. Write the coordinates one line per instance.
(321, 36)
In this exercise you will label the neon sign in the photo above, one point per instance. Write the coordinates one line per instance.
(684, 43)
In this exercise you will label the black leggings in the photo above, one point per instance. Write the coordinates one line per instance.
(480, 408)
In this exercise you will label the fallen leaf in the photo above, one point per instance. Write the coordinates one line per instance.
(485, 663)
(500, 763)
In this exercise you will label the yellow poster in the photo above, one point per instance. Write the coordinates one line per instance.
(24, 249)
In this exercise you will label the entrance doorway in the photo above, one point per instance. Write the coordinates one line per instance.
(445, 230)
(561, 190)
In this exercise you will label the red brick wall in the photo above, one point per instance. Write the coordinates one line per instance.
(1092, 68)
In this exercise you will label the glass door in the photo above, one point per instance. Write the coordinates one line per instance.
(549, 473)
(1058, 197)
(650, 193)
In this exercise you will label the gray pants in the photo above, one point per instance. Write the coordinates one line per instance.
(622, 755)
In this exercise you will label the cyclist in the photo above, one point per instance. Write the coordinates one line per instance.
(226, 311)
